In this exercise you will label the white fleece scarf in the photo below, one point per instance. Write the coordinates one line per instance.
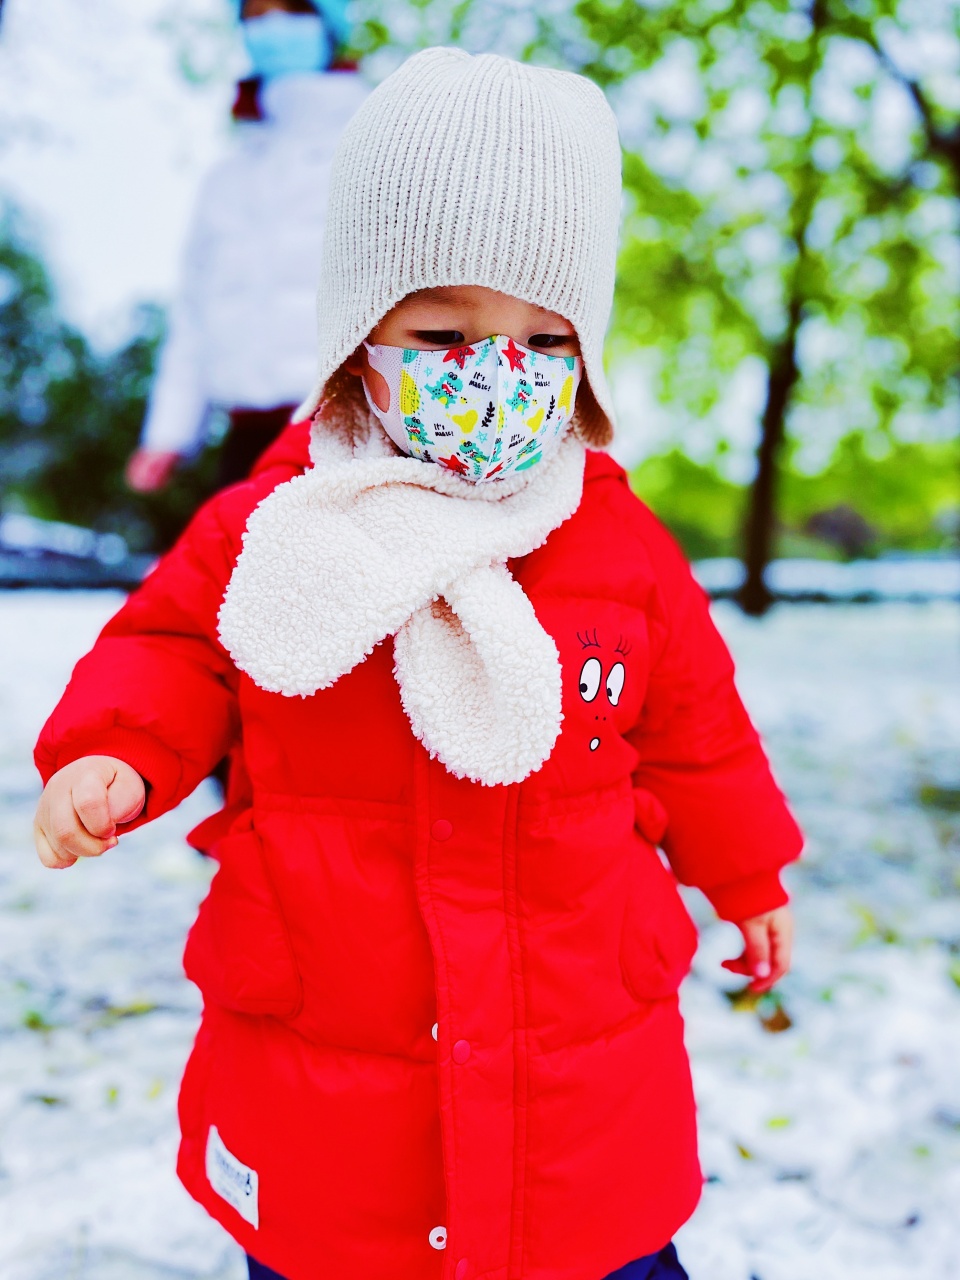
(369, 544)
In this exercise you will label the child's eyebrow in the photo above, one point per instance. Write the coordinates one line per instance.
(445, 298)
(450, 296)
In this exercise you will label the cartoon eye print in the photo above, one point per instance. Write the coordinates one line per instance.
(615, 679)
(591, 678)
(591, 673)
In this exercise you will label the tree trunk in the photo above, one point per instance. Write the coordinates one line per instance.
(754, 596)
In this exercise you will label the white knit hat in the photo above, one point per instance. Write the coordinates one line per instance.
(475, 170)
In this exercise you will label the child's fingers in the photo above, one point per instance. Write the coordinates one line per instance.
(46, 853)
(66, 836)
(126, 794)
(77, 816)
(756, 952)
(768, 941)
(781, 946)
(92, 805)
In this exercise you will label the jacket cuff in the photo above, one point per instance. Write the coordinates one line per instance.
(157, 765)
(749, 896)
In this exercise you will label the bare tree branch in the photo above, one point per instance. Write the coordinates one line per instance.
(942, 142)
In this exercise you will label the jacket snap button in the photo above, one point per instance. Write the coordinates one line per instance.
(442, 829)
(461, 1051)
(435, 1029)
(461, 1270)
(438, 1238)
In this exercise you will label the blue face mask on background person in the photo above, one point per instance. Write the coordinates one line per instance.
(283, 44)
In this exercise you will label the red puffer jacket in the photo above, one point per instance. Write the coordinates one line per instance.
(441, 1034)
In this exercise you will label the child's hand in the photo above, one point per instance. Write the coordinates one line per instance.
(767, 944)
(149, 470)
(81, 806)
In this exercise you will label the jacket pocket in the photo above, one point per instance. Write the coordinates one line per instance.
(238, 952)
(659, 939)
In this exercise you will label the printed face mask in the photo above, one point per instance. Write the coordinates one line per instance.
(481, 411)
(281, 44)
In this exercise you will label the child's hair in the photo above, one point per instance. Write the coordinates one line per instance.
(474, 170)
(343, 406)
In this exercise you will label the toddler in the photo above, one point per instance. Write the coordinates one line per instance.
(468, 686)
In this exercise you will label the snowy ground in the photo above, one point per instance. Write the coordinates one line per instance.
(833, 1146)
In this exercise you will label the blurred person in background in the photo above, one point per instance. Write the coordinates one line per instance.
(241, 334)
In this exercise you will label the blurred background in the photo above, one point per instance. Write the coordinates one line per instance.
(784, 353)
(784, 344)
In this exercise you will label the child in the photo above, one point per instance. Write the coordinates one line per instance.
(475, 687)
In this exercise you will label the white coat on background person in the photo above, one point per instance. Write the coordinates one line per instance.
(242, 330)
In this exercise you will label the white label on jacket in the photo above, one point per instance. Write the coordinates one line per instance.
(232, 1179)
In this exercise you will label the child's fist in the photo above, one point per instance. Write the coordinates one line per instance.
(81, 806)
(767, 944)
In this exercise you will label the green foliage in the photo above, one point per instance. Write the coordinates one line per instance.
(908, 496)
(771, 180)
(701, 508)
(70, 418)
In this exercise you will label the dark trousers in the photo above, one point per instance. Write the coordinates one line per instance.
(664, 1265)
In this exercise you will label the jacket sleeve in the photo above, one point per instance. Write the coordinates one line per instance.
(158, 690)
(703, 780)
(178, 407)
(177, 412)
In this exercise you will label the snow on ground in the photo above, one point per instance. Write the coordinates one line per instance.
(832, 1146)
(835, 1145)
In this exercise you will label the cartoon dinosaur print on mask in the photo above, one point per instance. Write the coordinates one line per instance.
(527, 463)
(415, 430)
(528, 455)
(474, 454)
(520, 400)
(446, 389)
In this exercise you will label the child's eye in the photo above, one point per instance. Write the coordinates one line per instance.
(551, 340)
(440, 337)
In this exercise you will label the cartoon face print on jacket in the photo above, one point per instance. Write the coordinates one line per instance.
(602, 680)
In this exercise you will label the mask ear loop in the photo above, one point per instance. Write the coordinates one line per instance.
(374, 359)
(374, 409)
(390, 418)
